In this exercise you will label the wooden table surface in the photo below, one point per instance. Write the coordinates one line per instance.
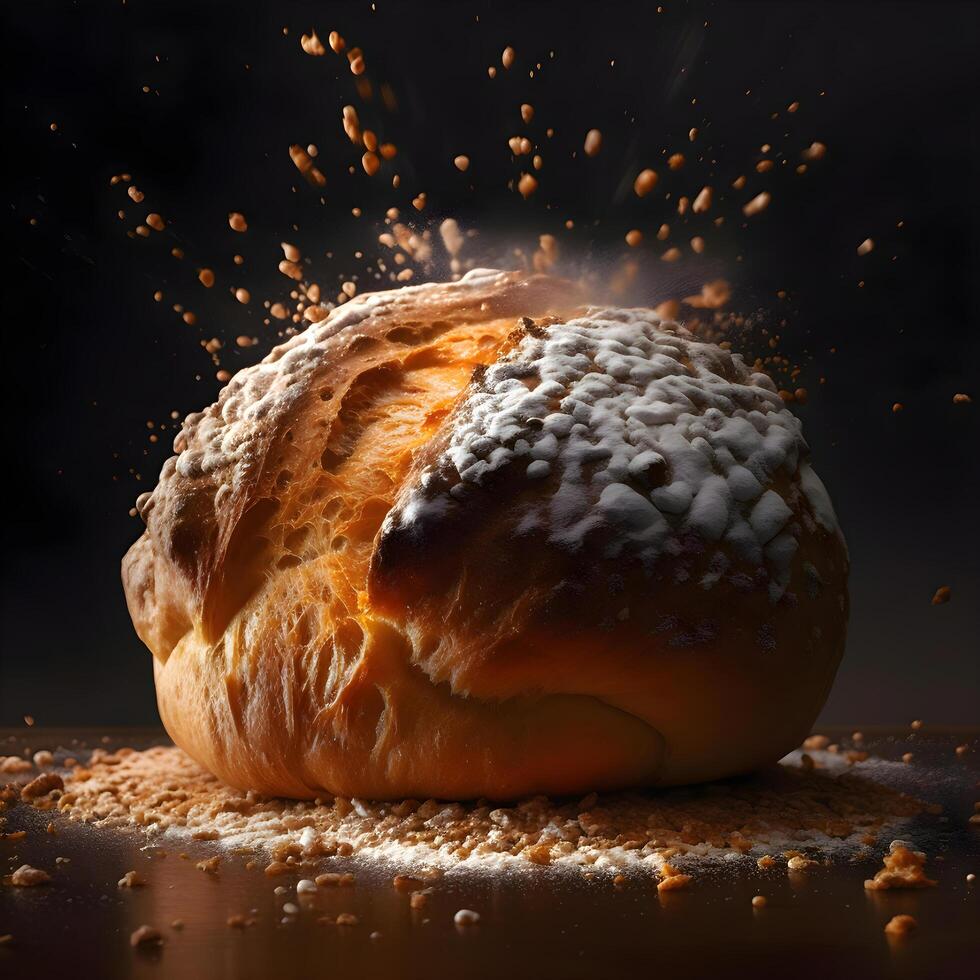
(541, 923)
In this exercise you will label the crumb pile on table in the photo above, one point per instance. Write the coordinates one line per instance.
(810, 809)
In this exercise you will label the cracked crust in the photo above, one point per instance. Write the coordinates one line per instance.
(309, 639)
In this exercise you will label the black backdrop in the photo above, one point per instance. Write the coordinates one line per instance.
(89, 358)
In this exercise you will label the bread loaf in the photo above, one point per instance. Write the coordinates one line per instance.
(480, 539)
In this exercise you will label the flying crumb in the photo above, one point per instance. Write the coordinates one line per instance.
(671, 255)
(304, 164)
(527, 112)
(960, 399)
(243, 295)
(645, 182)
(815, 151)
(418, 202)
(866, 246)
(898, 407)
(155, 222)
(527, 185)
(757, 205)
(634, 237)
(206, 277)
(759, 902)
(462, 163)
(237, 222)
(131, 879)
(507, 57)
(312, 45)
(900, 925)
(713, 296)
(593, 143)
(692, 134)
(942, 595)
(697, 245)
(336, 42)
(466, 917)
(675, 161)
(703, 201)
(355, 58)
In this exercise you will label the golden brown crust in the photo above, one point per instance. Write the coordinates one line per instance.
(331, 609)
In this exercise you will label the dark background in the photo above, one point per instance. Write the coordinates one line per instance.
(89, 358)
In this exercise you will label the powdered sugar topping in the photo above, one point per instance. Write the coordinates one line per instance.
(642, 431)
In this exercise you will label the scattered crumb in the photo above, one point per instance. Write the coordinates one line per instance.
(27, 877)
(800, 862)
(335, 879)
(146, 936)
(672, 879)
(14, 764)
(903, 868)
(46, 783)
